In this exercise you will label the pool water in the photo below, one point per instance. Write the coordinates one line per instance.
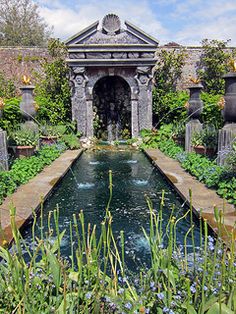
(86, 188)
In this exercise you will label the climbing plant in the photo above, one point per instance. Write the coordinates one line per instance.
(166, 99)
(53, 90)
(214, 63)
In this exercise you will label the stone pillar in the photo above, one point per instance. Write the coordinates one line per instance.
(79, 105)
(27, 107)
(143, 79)
(228, 133)
(134, 118)
(194, 112)
(3, 151)
(89, 112)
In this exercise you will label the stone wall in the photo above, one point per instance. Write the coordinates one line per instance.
(15, 62)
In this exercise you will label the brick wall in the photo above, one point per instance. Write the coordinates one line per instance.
(15, 62)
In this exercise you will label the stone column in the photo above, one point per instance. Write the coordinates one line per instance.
(143, 79)
(27, 107)
(79, 105)
(228, 133)
(194, 112)
(3, 151)
(134, 118)
(89, 124)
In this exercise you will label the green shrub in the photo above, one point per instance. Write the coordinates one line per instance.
(52, 90)
(7, 87)
(11, 115)
(214, 64)
(25, 169)
(169, 107)
(71, 141)
(205, 170)
(211, 113)
(23, 137)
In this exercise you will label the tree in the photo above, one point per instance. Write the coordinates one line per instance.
(167, 102)
(53, 90)
(214, 64)
(21, 24)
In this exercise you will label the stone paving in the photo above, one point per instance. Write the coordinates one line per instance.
(203, 199)
(29, 196)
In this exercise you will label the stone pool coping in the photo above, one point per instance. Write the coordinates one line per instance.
(29, 197)
(203, 198)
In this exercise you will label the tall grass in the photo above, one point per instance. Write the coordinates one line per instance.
(95, 278)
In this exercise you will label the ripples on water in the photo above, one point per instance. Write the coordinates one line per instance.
(133, 178)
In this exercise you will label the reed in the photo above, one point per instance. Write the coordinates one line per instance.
(95, 278)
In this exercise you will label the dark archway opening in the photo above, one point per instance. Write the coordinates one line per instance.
(112, 108)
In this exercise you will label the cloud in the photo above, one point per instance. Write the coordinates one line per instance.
(184, 21)
(67, 21)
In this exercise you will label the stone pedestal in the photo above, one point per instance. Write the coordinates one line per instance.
(3, 151)
(193, 126)
(194, 112)
(226, 137)
(27, 104)
(228, 133)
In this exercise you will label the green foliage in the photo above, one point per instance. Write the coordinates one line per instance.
(220, 178)
(168, 71)
(53, 90)
(211, 110)
(95, 280)
(71, 141)
(23, 170)
(11, 115)
(52, 130)
(214, 64)
(207, 137)
(169, 107)
(7, 87)
(21, 24)
(23, 137)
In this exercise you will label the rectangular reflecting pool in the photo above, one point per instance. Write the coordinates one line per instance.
(85, 187)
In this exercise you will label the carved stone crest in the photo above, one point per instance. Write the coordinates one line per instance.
(111, 24)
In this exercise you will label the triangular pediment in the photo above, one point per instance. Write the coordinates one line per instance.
(131, 35)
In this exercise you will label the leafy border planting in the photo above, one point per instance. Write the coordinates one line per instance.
(201, 167)
(25, 169)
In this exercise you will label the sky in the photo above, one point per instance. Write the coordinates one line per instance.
(186, 22)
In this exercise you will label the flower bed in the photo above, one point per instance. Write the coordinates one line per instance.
(25, 169)
(201, 167)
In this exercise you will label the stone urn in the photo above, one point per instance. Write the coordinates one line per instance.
(27, 104)
(195, 102)
(229, 111)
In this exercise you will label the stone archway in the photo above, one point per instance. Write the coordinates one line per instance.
(112, 108)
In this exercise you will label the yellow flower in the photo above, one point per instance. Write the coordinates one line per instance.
(221, 103)
(36, 106)
(186, 105)
(1, 103)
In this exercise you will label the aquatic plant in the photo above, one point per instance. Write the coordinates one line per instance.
(95, 279)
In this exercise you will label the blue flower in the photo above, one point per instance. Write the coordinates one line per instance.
(121, 291)
(192, 289)
(166, 310)
(160, 296)
(88, 295)
(128, 306)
